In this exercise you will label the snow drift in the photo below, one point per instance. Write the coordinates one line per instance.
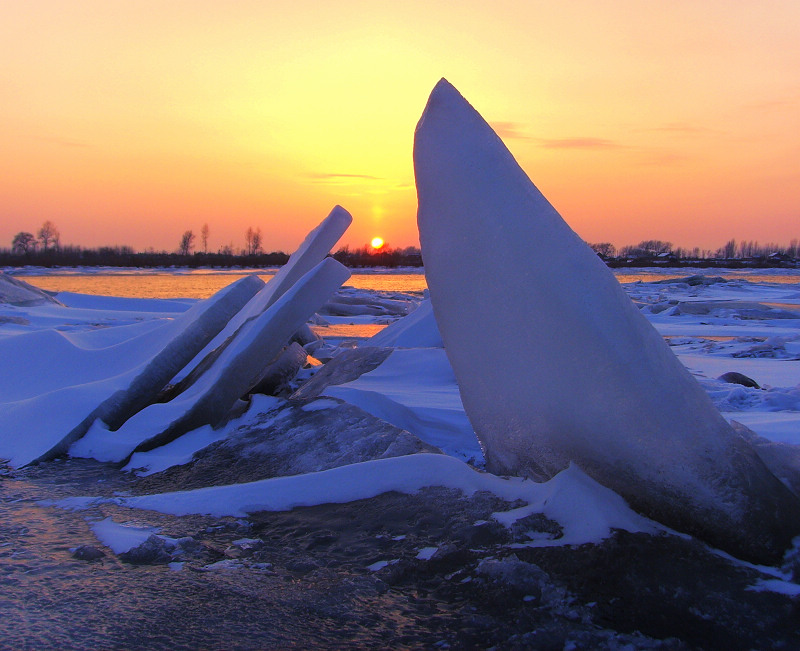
(117, 380)
(641, 424)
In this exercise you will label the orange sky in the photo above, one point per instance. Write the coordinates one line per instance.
(130, 122)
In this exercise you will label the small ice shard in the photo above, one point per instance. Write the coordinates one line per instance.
(17, 292)
(282, 370)
(592, 382)
(417, 330)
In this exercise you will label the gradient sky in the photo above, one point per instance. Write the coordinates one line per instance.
(130, 122)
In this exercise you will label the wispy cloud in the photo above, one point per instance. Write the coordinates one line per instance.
(578, 143)
(788, 101)
(510, 130)
(663, 158)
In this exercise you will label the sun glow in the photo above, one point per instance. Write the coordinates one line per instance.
(377, 243)
(133, 122)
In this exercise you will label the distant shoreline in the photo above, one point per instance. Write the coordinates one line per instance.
(121, 270)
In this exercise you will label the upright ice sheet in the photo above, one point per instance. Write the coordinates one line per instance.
(591, 381)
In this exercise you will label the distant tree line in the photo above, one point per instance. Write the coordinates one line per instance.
(124, 256)
(746, 253)
(44, 249)
(386, 256)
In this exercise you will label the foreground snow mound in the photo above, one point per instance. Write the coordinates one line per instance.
(275, 438)
(586, 511)
(593, 382)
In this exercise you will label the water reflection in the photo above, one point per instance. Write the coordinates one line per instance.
(202, 283)
(198, 285)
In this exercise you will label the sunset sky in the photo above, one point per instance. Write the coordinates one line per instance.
(131, 122)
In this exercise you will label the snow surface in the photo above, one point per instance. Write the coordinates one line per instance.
(120, 538)
(415, 389)
(181, 450)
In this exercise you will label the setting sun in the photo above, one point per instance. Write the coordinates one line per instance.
(377, 243)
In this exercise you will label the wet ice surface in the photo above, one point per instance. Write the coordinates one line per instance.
(303, 577)
(392, 571)
(273, 581)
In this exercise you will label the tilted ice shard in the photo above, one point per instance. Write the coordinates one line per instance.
(417, 330)
(235, 371)
(592, 381)
(312, 250)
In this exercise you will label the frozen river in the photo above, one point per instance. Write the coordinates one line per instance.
(202, 283)
(357, 574)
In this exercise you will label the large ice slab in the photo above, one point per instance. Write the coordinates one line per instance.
(108, 383)
(590, 381)
(233, 372)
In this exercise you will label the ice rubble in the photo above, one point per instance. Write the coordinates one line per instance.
(641, 424)
(102, 387)
(54, 410)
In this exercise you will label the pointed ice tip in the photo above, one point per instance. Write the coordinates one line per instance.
(444, 90)
(443, 94)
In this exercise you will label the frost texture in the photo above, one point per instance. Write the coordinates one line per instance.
(591, 381)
